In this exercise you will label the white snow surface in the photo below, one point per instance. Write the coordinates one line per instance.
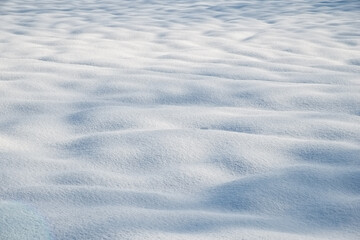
(180, 119)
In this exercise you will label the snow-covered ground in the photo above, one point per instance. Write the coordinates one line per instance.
(183, 119)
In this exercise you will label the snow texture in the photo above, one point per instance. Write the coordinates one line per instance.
(149, 119)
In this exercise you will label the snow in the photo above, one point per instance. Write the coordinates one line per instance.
(180, 119)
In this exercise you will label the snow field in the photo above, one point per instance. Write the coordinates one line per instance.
(179, 119)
